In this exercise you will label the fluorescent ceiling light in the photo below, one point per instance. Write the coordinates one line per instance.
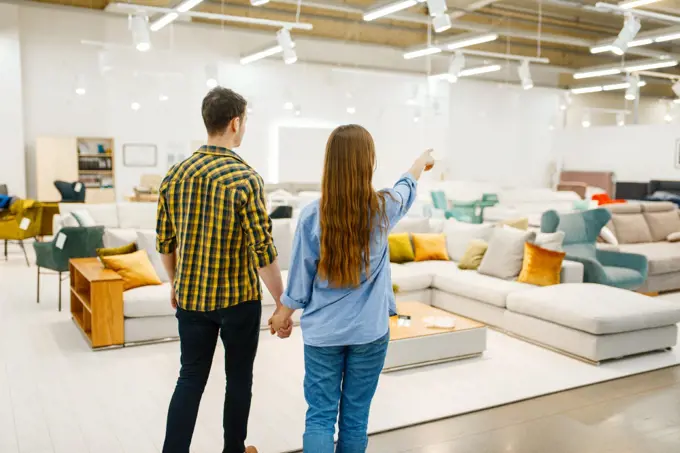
(268, 52)
(597, 73)
(163, 21)
(621, 86)
(479, 70)
(421, 52)
(658, 65)
(472, 41)
(525, 75)
(258, 2)
(640, 42)
(585, 90)
(668, 37)
(388, 9)
(602, 49)
(635, 3)
(187, 5)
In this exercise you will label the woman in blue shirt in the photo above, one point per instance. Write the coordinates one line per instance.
(340, 277)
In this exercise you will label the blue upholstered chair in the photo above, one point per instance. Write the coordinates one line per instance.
(622, 270)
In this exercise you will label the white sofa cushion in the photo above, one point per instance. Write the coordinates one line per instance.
(595, 309)
(153, 300)
(505, 255)
(282, 233)
(412, 277)
(140, 216)
(83, 218)
(117, 237)
(412, 225)
(146, 240)
(459, 235)
(104, 214)
(476, 286)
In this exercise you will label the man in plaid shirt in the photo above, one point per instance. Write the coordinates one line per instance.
(215, 240)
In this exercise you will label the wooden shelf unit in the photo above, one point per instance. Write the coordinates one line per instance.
(97, 302)
(76, 159)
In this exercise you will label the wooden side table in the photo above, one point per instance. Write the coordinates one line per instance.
(97, 302)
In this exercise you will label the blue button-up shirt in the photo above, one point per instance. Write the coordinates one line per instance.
(344, 316)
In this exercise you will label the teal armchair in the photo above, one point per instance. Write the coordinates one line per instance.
(81, 242)
(622, 270)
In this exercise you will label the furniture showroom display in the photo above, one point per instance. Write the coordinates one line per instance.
(643, 228)
(415, 342)
(612, 268)
(90, 161)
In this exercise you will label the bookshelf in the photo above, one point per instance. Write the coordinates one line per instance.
(90, 160)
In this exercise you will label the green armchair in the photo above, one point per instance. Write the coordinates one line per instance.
(81, 242)
(22, 221)
(621, 270)
(464, 211)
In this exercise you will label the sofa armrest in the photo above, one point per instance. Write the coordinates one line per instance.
(572, 272)
(592, 269)
(628, 260)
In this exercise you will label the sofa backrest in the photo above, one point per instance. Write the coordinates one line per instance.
(635, 223)
(140, 216)
(105, 214)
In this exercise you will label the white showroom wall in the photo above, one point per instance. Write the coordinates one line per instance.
(12, 169)
(483, 131)
(633, 153)
(602, 107)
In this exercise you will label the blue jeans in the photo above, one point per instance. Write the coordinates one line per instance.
(344, 379)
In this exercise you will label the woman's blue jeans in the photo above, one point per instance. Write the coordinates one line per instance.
(341, 379)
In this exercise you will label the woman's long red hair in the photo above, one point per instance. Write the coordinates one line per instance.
(350, 208)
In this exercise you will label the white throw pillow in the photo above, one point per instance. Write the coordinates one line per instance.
(608, 236)
(550, 241)
(459, 235)
(505, 255)
(674, 237)
(146, 240)
(84, 218)
(69, 221)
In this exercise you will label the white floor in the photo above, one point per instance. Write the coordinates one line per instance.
(57, 396)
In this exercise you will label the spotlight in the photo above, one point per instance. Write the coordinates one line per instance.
(563, 107)
(297, 111)
(288, 106)
(135, 106)
(286, 42)
(351, 110)
(585, 122)
(80, 86)
(211, 83)
(668, 118)
(633, 87)
(457, 65)
(630, 29)
(441, 23)
(211, 76)
(140, 33)
(163, 98)
(525, 75)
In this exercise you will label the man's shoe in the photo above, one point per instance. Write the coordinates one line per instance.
(251, 449)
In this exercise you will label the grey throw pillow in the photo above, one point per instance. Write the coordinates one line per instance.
(504, 257)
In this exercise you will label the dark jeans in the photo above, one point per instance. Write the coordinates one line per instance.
(239, 328)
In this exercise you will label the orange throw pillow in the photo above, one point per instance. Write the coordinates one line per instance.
(135, 269)
(541, 266)
(430, 247)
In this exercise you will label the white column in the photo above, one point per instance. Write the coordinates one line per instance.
(12, 155)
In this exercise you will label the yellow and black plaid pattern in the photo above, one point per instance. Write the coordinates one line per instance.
(212, 212)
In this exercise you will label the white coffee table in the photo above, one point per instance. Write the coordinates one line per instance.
(417, 344)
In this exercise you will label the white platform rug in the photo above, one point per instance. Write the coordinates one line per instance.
(58, 396)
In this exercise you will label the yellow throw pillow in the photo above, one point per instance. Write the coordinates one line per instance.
(472, 257)
(135, 269)
(521, 224)
(430, 247)
(122, 250)
(401, 250)
(541, 266)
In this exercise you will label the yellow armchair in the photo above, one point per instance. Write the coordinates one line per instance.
(22, 221)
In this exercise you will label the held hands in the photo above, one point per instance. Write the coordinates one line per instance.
(281, 323)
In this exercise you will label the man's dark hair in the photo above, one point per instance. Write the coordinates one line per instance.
(220, 106)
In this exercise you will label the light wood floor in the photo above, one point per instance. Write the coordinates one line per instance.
(639, 414)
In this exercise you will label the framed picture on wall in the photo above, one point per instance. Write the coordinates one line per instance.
(140, 155)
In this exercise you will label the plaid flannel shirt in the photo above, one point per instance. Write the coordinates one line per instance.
(212, 212)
